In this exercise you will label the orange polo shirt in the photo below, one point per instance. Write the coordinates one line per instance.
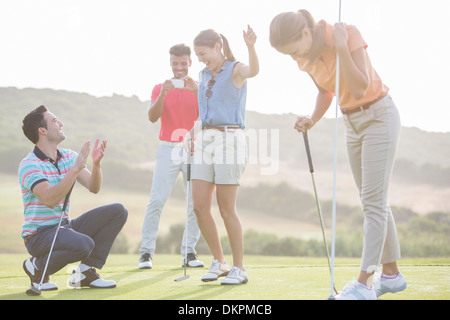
(324, 70)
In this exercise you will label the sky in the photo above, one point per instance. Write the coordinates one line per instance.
(102, 47)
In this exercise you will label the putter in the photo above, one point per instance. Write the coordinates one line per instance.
(311, 170)
(188, 190)
(32, 290)
(335, 147)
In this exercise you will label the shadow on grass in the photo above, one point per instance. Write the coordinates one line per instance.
(86, 293)
(137, 284)
(200, 292)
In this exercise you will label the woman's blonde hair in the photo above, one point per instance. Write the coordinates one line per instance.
(287, 27)
(209, 38)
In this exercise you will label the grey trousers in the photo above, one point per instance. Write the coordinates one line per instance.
(88, 239)
(372, 137)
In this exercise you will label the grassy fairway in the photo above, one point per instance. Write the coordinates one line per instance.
(270, 278)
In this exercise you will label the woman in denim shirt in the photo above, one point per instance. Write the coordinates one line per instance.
(220, 149)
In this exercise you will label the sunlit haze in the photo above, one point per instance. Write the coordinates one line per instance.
(103, 47)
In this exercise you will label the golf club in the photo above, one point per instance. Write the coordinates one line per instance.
(32, 290)
(188, 190)
(311, 170)
(335, 147)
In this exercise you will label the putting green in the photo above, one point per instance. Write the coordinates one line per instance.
(270, 278)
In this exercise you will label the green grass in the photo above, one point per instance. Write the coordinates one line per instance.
(270, 278)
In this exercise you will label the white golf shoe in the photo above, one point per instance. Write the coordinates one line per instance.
(145, 262)
(192, 261)
(89, 278)
(36, 275)
(216, 270)
(235, 276)
(355, 290)
(384, 284)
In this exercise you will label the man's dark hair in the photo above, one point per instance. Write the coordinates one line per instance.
(180, 50)
(32, 122)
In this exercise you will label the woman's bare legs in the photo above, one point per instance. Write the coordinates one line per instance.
(202, 192)
(226, 199)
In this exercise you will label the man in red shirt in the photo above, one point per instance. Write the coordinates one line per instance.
(178, 110)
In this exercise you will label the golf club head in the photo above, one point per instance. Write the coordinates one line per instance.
(182, 278)
(33, 291)
(331, 297)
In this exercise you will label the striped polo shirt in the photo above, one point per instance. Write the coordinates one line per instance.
(36, 167)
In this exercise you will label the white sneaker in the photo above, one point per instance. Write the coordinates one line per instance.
(355, 290)
(216, 270)
(89, 278)
(236, 276)
(36, 275)
(145, 262)
(384, 284)
(192, 261)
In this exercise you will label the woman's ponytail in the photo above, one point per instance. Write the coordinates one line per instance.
(226, 49)
(209, 38)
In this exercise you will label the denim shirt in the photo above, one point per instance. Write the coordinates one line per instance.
(226, 105)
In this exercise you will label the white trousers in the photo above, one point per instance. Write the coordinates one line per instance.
(168, 165)
(372, 137)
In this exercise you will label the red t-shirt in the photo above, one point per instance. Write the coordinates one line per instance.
(180, 111)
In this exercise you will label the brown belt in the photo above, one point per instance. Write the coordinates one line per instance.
(28, 238)
(223, 129)
(363, 107)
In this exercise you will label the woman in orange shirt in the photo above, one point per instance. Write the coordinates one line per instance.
(372, 130)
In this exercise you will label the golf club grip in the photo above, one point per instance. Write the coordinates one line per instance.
(188, 173)
(66, 200)
(308, 152)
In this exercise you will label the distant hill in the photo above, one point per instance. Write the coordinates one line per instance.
(422, 156)
(123, 121)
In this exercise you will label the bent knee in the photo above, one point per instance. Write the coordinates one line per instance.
(119, 211)
(85, 245)
(227, 213)
(201, 210)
